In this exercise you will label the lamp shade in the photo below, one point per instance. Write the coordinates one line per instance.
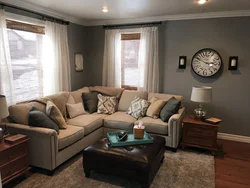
(3, 107)
(201, 94)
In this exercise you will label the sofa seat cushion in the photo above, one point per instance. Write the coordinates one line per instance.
(119, 120)
(154, 125)
(69, 136)
(90, 122)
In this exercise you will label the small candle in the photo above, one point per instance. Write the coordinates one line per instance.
(182, 61)
(233, 63)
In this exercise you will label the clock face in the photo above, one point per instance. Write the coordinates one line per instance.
(206, 62)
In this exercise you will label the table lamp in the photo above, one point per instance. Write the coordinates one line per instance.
(3, 114)
(201, 95)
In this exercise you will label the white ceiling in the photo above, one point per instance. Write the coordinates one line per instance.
(121, 11)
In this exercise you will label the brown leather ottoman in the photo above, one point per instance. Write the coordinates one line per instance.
(138, 162)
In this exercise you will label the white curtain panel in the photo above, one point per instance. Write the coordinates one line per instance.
(148, 60)
(111, 75)
(6, 75)
(56, 63)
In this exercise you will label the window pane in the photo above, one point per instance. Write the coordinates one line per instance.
(130, 71)
(25, 51)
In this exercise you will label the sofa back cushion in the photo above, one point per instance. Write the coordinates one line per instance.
(19, 112)
(165, 97)
(60, 99)
(108, 91)
(128, 96)
(77, 95)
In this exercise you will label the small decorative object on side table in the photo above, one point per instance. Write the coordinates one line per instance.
(200, 134)
(13, 157)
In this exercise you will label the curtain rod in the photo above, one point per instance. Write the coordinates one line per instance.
(152, 24)
(44, 16)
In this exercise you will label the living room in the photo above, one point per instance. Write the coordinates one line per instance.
(181, 52)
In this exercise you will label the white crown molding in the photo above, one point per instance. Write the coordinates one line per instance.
(207, 15)
(233, 137)
(44, 10)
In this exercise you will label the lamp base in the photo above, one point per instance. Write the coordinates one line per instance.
(200, 113)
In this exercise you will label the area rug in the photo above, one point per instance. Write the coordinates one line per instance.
(182, 169)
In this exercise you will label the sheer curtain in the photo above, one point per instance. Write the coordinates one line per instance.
(111, 75)
(56, 63)
(148, 60)
(6, 75)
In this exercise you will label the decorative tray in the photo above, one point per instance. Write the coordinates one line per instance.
(112, 136)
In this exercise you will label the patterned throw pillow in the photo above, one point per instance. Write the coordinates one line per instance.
(138, 107)
(106, 105)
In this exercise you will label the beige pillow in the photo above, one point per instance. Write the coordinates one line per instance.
(155, 107)
(54, 113)
(75, 109)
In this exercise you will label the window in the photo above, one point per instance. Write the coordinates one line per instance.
(130, 44)
(25, 43)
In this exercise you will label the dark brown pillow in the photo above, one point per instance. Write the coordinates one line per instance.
(37, 118)
(90, 101)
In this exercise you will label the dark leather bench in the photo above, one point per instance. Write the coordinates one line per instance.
(138, 162)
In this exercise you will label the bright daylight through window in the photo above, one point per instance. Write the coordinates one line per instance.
(26, 44)
(129, 60)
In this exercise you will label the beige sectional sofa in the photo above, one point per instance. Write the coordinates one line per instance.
(48, 150)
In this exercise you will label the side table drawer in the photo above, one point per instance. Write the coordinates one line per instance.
(202, 141)
(200, 130)
(13, 153)
(14, 167)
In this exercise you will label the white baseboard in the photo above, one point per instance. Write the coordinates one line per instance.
(234, 137)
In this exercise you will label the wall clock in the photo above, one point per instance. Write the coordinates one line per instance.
(206, 62)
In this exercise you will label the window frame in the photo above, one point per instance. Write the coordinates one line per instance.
(26, 27)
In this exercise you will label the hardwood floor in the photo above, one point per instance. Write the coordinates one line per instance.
(233, 170)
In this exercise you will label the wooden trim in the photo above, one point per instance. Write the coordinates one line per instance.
(25, 27)
(131, 36)
(233, 137)
(129, 87)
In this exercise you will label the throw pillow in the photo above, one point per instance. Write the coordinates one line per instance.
(90, 101)
(138, 107)
(171, 107)
(75, 109)
(37, 118)
(155, 108)
(54, 113)
(106, 105)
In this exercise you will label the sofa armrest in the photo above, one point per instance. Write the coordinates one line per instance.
(175, 127)
(43, 144)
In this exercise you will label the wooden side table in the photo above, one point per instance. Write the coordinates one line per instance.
(199, 134)
(13, 159)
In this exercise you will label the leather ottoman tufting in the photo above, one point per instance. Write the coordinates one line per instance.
(138, 162)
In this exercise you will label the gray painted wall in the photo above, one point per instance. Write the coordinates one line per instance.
(231, 89)
(77, 38)
(95, 50)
